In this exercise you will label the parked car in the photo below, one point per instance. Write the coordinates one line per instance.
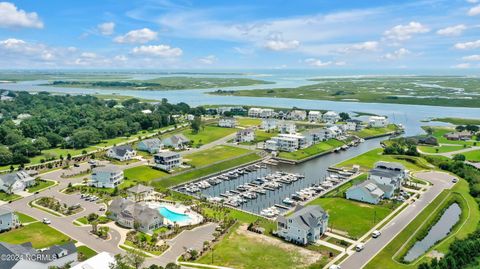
(76, 165)
(376, 234)
(334, 266)
(455, 180)
(46, 221)
(359, 247)
(101, 208)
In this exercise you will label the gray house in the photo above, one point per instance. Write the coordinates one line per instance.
(121, 153)
(108, 176)
(16, 182)
(167, 160)
(55, 256)
(178, 141)
(304, 226)
(152, 145)
(388, 173)
(131, 214)
(8, 218)
(367, 192)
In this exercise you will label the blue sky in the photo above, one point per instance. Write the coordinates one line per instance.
(167, 34)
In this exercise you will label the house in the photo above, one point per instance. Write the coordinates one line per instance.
(152, 145)
(52, 257)
(190, 117)
(268, 124)
(256, 112)
(298, 115)
(314, 116)
(6, 98)
(426, 140)
(16, 182)
(354, 125)
(21, 117)
(8, 218)
(286, 127)
(245, 135)
(334, 131)
(287, 142)
(463, 135)
(140, 192)
(316, 135)
(234, 110)
(109, 176)
(178, 141)
(121, 153)
(135, 215)
(102, 260)
(388, 173)
(331, 117)
(147, 111)
(228, 122)
(377, 122)
(367, 192)
(306, 225)
(167, 160)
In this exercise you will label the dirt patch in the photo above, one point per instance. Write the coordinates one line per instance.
(306, 256)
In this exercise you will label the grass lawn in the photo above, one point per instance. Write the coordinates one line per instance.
(86, 252)
(215, 154)
(261, 136)
(441, 149)
(368, 159)
(83, 220)
(248, 122)
(473, 156)
(41, 235)
(438, 132)
(24, 218)
(208, 134)
(8, 197)
(469, 218)
(187, 176)
(369, 132)
(41, 185)
(143, 173)
(458, 121)
(238, 250)
(312, 150)
(355, 218)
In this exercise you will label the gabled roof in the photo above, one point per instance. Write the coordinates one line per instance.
(122, 150)
(5, 210)
(177, 139)
(107, 169)
(370, 187)
(152, 143)
(307, 217)
(8, 180)
(139, 188)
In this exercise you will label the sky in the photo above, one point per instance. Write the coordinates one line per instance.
(267, 34)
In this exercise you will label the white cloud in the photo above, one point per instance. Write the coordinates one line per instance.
(319, 63)
(474, 11)
(137, 36)
(11, 17)
(244, 51)
(279, 45)
(400, 53)
(405, 32)
(468, 45)
(452, 30)
(106, 28)
(364, 46)
(472, 58)
(210, 59)
(462, 66)
(158, 50)
(88, 55)
(472, 1)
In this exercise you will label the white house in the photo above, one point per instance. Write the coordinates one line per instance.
(287, 142)
(314, 116)
(330, 117)
(167, 160)
(269, 124)
(178, 141)
(146, 111)
(245, 135)
(257, 112)
(8, 218)
(297, 115)
(121, 153)
(305, 226)
(377, 121)
(228, 122)
(353, 125)
(317, 135)
(190, 117)
(102, 260)
(15, 182)
(56, 256)
(129, 214)
(109, 176)
(287, 127)
(388, 173)
(152, 145)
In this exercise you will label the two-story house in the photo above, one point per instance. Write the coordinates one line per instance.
(306, 225)
(121, 153)
(109, 176)
(167, 160)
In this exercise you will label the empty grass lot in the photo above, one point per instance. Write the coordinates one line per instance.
(42, 184)
(86, 252)
(343, 213)
(312, 150)
(473, 156)
(441, 149)
(208, 134)
(215, 154)
(369, 132)
(143, 173)
(248, 122)
(187, 176)
(41, 235)
(24, 218)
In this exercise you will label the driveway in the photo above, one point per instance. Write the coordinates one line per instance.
(440, 181)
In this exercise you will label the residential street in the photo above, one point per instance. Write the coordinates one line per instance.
(440, 182)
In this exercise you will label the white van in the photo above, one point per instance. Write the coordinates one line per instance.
(359, 247)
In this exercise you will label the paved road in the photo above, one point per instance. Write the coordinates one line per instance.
(440, 182)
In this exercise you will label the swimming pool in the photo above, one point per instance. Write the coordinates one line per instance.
(173, 216)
